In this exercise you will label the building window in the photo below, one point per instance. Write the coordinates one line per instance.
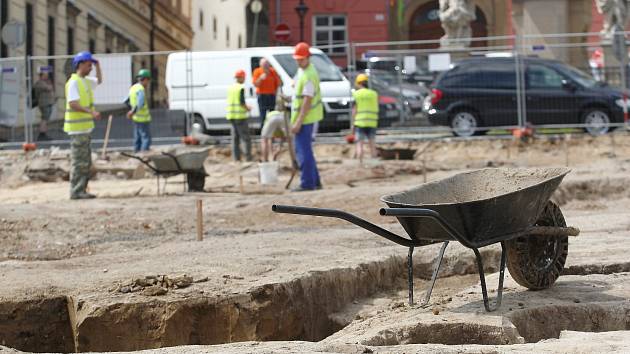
(329, 30)
(92, 45)
(51, 45)
(72, 20)
(4, 17)
(51, 35)
(70, 40)
(227, 36)
(214, 28)
(201, 19)
(29, 29)
(240, 41)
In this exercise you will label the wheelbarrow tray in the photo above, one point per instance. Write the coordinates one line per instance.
(483, 206)
(179, 162)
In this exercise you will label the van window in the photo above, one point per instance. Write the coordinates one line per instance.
(326, 69)
(255, 61)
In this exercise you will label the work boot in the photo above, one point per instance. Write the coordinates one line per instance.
(83, 196)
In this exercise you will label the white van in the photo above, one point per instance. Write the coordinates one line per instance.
(212, 74)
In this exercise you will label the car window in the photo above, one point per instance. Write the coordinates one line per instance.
(326, 69)
(500, 80)
(478, 77)
(540, 76)
(580, 76)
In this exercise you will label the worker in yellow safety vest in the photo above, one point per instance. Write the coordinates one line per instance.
(364, 115)
(306, 111)
(237, 114)
(139, 112)
(79, 121)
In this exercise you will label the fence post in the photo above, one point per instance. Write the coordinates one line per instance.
(189, 92)
(401, 97)
(28, 128)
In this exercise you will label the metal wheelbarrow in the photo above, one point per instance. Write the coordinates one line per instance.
(477, 209)
(167, 165)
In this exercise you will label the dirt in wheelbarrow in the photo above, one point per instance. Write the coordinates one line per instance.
(92, 275)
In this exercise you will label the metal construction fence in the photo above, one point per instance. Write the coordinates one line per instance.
(551, 81)
(565, 81)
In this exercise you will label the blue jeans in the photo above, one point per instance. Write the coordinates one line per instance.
(141, 136)
(266, 103)
(309, 176)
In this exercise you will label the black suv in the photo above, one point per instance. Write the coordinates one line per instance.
(479, 93)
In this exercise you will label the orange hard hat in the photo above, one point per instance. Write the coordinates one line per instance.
(302, 51)
(240, 73)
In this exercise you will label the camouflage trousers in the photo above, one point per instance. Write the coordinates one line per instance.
(81, 159)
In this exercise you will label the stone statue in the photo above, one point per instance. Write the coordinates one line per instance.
(456, 16)
(615, 15)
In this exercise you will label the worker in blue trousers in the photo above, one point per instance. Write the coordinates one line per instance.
(306, 110)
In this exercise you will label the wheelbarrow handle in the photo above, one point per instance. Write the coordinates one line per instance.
(426, 213)
(339, 214)
(144, 161)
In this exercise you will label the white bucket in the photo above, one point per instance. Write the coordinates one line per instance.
(268, 172)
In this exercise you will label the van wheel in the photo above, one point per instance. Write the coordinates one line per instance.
(597, 121)
(464, 123)
(198, 119)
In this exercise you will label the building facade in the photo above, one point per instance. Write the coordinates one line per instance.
(219, 25)
(330, 24)
(65, 27)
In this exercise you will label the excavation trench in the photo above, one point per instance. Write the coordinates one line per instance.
(301, 309)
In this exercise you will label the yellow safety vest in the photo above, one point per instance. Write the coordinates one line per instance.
(142, 114)
(75, 121)
(366, 101)
(316, 113)
(235, 109)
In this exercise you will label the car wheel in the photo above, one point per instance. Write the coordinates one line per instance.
(597, 121)
(464, 123)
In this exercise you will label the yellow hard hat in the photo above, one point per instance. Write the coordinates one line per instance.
(361, 78)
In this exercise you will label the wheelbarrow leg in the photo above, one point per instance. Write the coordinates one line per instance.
(410, 274)
(482, 278)
(436, 270)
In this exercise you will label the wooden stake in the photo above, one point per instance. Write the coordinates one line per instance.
(613, 154)
(566, 149)
(424, 167)
(106, 141)
(199, 220)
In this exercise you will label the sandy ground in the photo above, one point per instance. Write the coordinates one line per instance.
(90, 250)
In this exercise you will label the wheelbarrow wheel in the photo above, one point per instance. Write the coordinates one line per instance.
(536, 262)
(196, 181)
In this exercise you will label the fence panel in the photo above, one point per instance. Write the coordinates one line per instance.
(12, 103)
(572, 81)
(118, 71)
(467, 100)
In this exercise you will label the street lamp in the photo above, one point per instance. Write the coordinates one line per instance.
(301, 10)
(255, 7)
